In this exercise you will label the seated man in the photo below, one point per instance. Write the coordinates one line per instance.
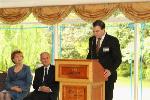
(46, 88)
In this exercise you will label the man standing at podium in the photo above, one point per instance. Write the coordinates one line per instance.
(106, 48)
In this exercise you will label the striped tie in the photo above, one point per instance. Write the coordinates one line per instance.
(98, 45)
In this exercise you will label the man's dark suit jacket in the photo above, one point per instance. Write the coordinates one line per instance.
(51, 83)
(109, 54)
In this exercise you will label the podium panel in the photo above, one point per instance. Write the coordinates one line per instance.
(80, 79)
(73, 71)
(74, 92)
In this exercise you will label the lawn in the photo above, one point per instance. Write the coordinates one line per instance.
(126, 81)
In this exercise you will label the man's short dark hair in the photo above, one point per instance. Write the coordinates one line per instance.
(99, 23)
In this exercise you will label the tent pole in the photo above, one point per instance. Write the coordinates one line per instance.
(56, 41)
(136, 59)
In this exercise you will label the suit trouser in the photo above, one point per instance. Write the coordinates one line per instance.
(109, 87)
(41, 96)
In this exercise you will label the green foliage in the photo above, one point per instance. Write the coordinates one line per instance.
(75, 40)
(31, 42)
(124, 69)
(75, 44)
(147, 74)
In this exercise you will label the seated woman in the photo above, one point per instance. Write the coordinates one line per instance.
(19, 79)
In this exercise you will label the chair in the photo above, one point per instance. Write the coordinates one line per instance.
(2, 80)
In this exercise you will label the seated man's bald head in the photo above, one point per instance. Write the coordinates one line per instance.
(44, 53)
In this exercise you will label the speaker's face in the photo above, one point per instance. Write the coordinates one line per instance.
(98, 32)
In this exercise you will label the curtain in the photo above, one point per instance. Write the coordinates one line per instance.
(94, 12)
(14, 15)
(137, 12)
(51, 15)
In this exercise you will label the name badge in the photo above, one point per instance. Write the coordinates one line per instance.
(106, 49)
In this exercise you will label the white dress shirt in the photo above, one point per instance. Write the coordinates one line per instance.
(46, 72)
(102, 38)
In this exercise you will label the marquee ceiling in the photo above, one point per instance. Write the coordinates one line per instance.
(33, 3)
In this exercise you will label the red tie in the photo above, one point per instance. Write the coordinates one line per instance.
(98, 45)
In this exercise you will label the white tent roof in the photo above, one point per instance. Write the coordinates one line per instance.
(31, 3)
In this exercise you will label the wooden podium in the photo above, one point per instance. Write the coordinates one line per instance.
(80, 79)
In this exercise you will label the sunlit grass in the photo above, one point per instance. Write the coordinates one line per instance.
(126, 81)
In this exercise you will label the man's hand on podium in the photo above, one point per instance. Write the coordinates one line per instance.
(107, 73)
